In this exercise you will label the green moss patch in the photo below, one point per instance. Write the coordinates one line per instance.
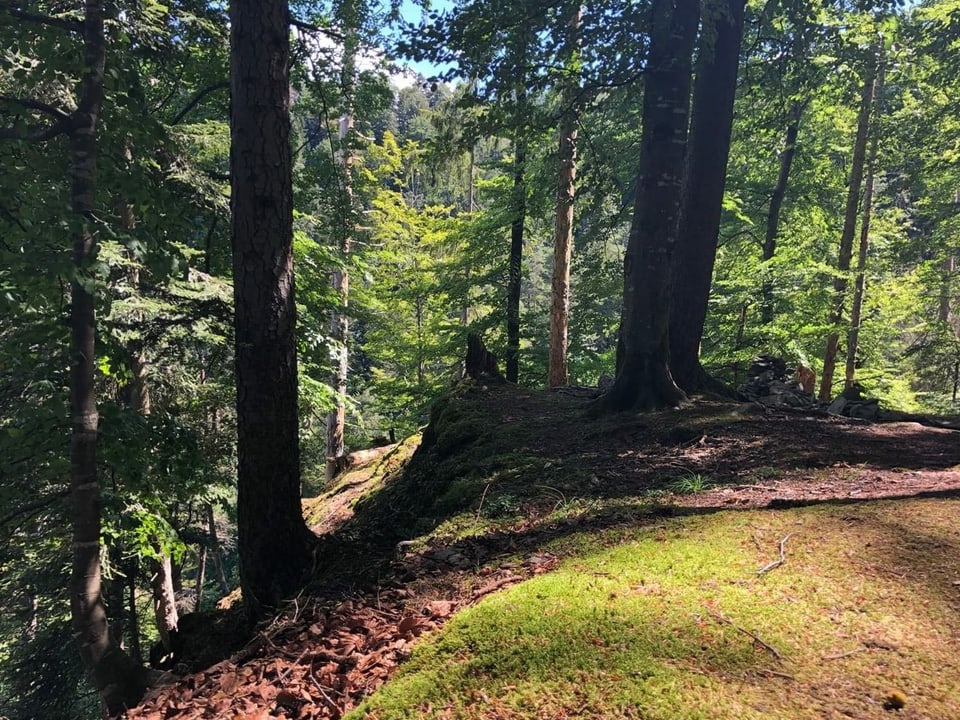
(672, 620)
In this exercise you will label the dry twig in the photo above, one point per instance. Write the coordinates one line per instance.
(776, 563)
(756, 638)
(838, 656)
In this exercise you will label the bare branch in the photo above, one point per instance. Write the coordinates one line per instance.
(195, 100)
(31, 104)
(29, 507)
(312, 28)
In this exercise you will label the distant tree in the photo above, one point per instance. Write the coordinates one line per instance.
(845, 251)
(274, 542)
(643, 380)
(566, 190)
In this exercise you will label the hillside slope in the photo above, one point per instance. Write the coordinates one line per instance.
(508, 484)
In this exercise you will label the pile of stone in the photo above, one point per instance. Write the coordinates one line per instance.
(770, 383)
(851, 403)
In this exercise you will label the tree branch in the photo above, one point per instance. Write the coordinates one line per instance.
(70, 25)
(311, 28)
(30, 104)
(195, 100)
(40, 504)
(62, 127)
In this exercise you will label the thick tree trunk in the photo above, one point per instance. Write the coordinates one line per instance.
(120, 681)
(767, 304)
(708, 149)
(274, 543)
(643, 378)
(849, 230)
(515, 272)
(557, 374)
(860, 284)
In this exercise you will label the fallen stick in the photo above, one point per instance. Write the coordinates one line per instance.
(776, 563)
(848, 653)
(757, 639)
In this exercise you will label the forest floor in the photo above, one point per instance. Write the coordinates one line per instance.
(509, 484)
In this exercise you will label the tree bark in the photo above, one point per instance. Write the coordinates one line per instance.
(217, 555)
(339, 320)
(201, 576)
(119, 680)
(515, 272)
(558, 373)
(849, 229)
(767, 303)
(274, 542)
(705, 174)
(164, 599)
(518, 49)
(860, 284)
(643, 379)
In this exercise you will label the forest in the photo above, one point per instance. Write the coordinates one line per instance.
(241, 242)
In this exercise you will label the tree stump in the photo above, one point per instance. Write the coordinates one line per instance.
(480, 363)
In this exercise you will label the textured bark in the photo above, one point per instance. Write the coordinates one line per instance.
(201, 577)
(515, 273)
(274, 543)
(217, 555)
(643, 379)
(849, 230)
(944, 309)
(119, 680)
(339, 320)
(518, 51)
(164, 600)
(860, 284)
(557, 374)
(708, 149)
(30, 624)
(776, 205)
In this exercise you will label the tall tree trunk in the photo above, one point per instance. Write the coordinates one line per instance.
(767, 303)
(849, 230)
(274, 542)
(515, 272)
(643, 379)
(217, 554)
(32, 605)
(558, 373)
(339, 321)
(518, 49)
(201, 576)
(119, 680)
(133, 569)
(705, 174)
(944, 309)
(860, 285)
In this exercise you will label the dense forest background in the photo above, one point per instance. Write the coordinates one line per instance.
(424, 208)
